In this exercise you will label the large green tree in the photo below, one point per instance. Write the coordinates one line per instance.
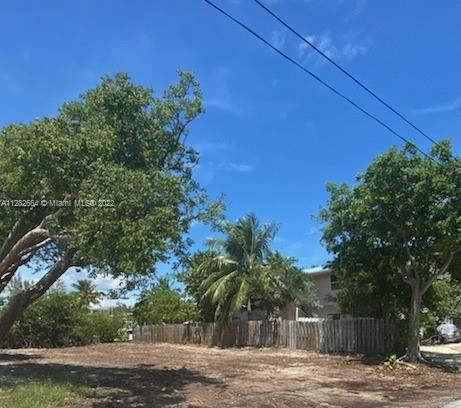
(162, 304)
(235, 273)
(283, 283)
(402, 218)
(193, 276)
(243, 273)
(106, 184)
(446, 298)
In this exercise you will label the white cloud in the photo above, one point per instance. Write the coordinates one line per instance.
(237, 167)
(358, 7)
(102, 283)
(322, 41)
(446, 107)
(278, 39)
(109, 303)
(351, 50)
(224, 105)
(325, 43)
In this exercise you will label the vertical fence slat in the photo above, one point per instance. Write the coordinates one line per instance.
(351, 335)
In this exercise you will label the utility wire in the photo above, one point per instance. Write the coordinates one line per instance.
(317, 78)
(343, 70)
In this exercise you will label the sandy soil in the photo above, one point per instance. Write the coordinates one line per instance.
(162, 375)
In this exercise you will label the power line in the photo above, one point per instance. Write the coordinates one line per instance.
(317, 78)
(343, 70)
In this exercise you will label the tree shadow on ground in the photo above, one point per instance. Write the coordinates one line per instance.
(109, 387)
(7, 357)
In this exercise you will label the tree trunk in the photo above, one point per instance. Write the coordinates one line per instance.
(23, 300)
(249, 306)
(413, 352)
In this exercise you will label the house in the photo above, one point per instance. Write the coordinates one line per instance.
(326, 286)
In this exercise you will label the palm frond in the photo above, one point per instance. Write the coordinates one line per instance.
(240, 297)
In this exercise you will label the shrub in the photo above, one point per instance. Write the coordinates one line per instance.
(161, 304)
(60, 319)
(104, 326)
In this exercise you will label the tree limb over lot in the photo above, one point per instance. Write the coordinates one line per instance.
(107, 185)
(402, 218)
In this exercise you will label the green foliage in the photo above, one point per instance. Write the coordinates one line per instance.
(395, 232)
(39, 394)
(392, 362)
(236, 272)
(87, 292)
(429, 322)
(446, 298)
(161, 304)
(402, 204)
(242, 272)
(120, 144)
(50, 322)
(100, 326)
(286, 283)
(193, 276)
(60, 319)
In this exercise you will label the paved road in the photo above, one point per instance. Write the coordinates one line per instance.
(446, 354)
(454, 404)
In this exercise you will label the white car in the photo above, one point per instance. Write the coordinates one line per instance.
(448, 332)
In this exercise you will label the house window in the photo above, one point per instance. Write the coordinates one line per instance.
(334, 283)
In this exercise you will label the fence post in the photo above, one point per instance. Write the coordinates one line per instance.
(320, 338)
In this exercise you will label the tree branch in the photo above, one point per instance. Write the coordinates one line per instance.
(33, 237)
(9, 242)
(181, 131)
(22, 300)
(30, 241)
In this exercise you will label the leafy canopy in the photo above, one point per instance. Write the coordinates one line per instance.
(401, 222)
(241, 272)
(118, 143)
(162, 304)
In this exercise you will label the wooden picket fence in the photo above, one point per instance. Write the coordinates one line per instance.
(354, 335)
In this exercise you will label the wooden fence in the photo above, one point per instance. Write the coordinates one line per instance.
(357, 335)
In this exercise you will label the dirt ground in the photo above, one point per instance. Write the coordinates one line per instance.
(162, 375)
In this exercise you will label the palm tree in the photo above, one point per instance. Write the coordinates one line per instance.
(87, 292)
(236, 273)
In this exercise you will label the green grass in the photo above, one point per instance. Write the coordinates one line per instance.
(39, 394)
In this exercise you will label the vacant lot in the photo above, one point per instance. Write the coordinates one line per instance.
(161, 375)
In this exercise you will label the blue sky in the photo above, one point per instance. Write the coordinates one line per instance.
(271, 137)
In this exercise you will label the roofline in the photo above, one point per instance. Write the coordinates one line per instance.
(322, 271)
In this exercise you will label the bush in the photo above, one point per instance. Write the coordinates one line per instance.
(161, 304)
(60, 319)
(50, 322)
(101, 326)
